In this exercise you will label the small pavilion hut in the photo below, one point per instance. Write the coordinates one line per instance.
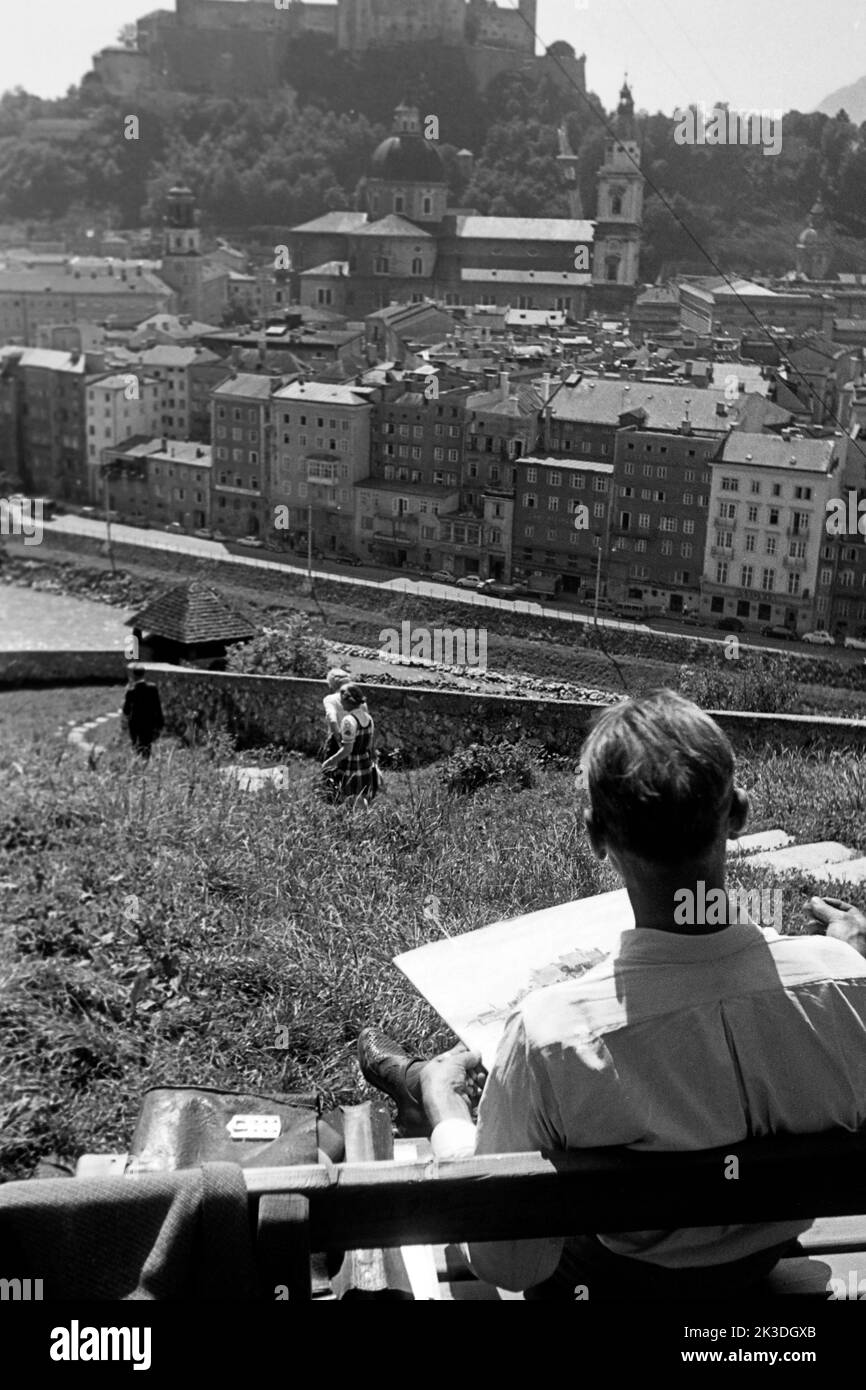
(191, 624)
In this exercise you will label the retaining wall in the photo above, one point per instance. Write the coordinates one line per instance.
(425, 725)
(61, 667)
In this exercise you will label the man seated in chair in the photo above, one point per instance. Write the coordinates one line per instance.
(687, 1037)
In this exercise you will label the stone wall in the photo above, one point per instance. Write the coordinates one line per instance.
(61, 668)
(807, 666)
(425, 725)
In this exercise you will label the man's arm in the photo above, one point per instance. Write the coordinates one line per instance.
(511, 1120)
(837, 918)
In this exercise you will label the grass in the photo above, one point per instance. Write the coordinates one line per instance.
(162, 927)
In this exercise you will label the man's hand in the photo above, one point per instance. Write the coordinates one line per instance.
(450, 1084)
(837, 918)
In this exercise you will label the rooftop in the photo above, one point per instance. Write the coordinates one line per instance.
(525, 229)
(193, 613)
(603, 401)
(768, 451)
(324, 393)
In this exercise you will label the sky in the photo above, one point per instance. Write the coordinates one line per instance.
(756, 54)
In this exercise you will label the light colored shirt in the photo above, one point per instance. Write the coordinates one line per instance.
(676, 1042)
(334, 712)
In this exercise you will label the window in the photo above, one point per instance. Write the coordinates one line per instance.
(625, 521)
(774, 516)
(417, 266)
(777, 489)
(382, 265)
(794, 583)
(578, 480)
(803, 494)
(826, 576)
(722, 572)
(599, 484)
(688, 499)
(532, 475)
(598, 510)
(730, 484)
(755, 488)
(746, 577)
(751, 541)
(752, 514)
(667, 547)
(686, 551)
(661, 472)
(669, 523)
(529, 532)
(725, 539)
(556, 479)
(643, 521)
(688, 527)
(640, 547)
(530, 500)
(847, 578)
(768, 580)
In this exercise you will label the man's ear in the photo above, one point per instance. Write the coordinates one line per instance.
(596, 839)
(739, 812)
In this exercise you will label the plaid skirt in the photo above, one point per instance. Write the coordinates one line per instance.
(358, 775)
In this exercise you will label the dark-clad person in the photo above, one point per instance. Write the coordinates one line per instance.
(354, 763)
(142, 712)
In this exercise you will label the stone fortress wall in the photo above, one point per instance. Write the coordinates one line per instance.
(240, 46)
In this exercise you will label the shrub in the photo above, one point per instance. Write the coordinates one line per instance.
(765, 687)
(480, 765)
(296, 649)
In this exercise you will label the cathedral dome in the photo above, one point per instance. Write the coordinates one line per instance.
(407, 158)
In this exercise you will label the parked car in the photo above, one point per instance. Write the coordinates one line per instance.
(468, 581)
(629, 611)
(501, 590)
(786, 633)
(345, 560)
(204, 534)
(442, 577)
(219, 536)
(175, 527)
(486, 586)
(857, 644)
(252, 542)
(730, 625)
(819, 638)
(690, 619)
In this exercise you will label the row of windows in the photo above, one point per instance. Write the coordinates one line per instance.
(731, 483)
(768, 579)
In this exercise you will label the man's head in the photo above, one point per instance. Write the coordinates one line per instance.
(660, 778)
(136, 673)
(336, 678)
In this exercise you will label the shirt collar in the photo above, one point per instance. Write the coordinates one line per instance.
(646, 943)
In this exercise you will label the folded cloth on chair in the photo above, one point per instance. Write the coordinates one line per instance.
(169, 1235)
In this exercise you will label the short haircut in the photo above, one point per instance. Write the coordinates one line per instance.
(352, 695)
(339, 675)
(660, 777)
(137, 673)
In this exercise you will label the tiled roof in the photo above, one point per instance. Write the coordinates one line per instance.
(247, 385)
(324, 393)
(392, 225)
(193, 613)
(336, 222)
(51, 280)
(522, 400)
(331, 269)
(753, 414)
(48, 358)
(171, 355)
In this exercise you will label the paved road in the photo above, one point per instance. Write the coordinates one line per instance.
(367, 577)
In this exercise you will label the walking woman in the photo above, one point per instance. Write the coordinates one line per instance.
(357, 774)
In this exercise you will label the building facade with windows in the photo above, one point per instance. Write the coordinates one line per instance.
(186, 377)
(766, 528)
(47, 430)
(160, 482)
(503, 426)
(243, 414)
(119, 407)
(561, 521)
(321, 452)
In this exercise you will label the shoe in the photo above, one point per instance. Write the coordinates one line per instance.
(384, 1064)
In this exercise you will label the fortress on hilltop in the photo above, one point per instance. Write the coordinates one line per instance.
(239, 47)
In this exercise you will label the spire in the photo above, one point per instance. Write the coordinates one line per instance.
(625, 112)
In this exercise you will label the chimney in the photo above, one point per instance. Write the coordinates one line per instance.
(503, 385)
(545, 387)
(721, 408)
